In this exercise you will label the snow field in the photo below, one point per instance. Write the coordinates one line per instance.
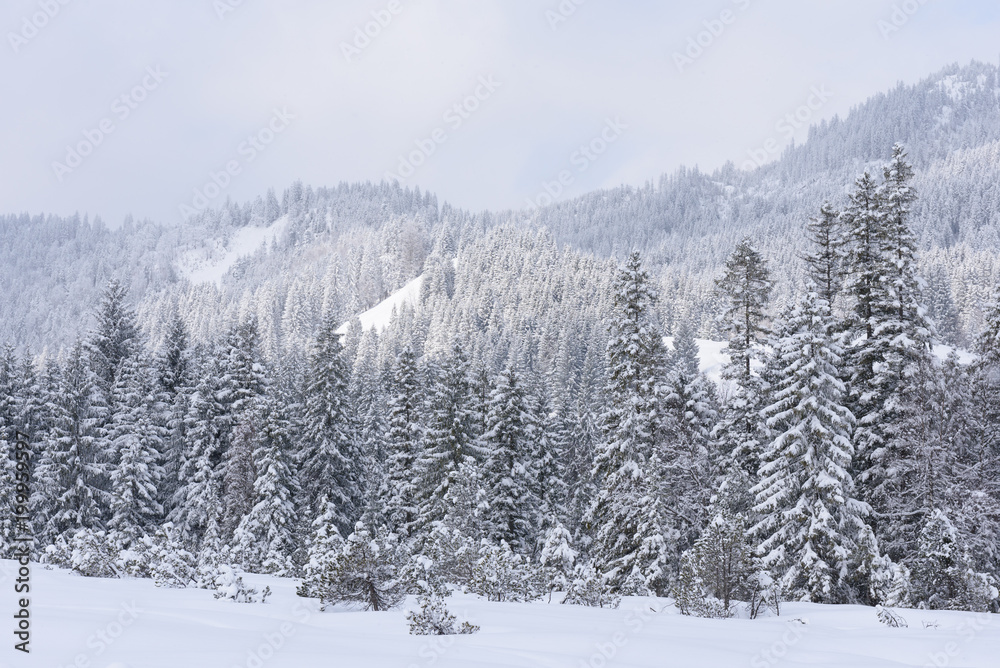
(95, 623)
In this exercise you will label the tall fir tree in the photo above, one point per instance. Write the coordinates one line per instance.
(826, 261)
(265, 540)
(691, 463)
(197, 504)
(137, 470)
(892, 336)
(746, 287)
(507, 470)
(400, 489)
(71, 490)
(333, 465)
(115, 336)
(810, 518)
(626, 513)
(449, 440)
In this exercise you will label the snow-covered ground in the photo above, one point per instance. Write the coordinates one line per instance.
(210, 264)
(96, 623)
(380, 315)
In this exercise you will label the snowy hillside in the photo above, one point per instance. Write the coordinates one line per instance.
(210, 263)
(132, 624)
(380, 315)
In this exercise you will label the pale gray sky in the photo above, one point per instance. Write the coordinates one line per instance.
(535, 81)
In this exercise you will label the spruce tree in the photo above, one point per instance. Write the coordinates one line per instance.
(690, 465)
(746, 287)
(333, 465)
(449, 440)
(72, 486)
(197, 504)
(809, 517)
(400, 491)
(507, 470)
(137, 471)
(626, 513)
(892, 336)
(116, 335)
(265, 540)
(826, 261)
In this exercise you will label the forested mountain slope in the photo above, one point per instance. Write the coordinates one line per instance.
(348, 247)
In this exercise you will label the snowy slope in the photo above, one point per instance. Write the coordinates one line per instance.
(132, 624)
(210, 264)
(380, 315)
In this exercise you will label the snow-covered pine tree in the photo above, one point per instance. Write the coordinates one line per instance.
(8, 436)
(746, 288)
(264, 541)
(333, 465)
(547, 459)
(943, 577)
(136, 438)
(71, 487)
(176, 385)
(244, 377)
(507, 477)
(197, 504)
(892, 334)
(399, 490)
(558, 556)
(810, 519)
(690, 465)
(449, 438)
(115, 337)
(8, 524)
(626, 513)
(826, 261)
(239, 474)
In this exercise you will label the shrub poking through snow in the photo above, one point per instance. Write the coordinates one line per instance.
(364, 570)
(93, 554)
(501, 575)
(558, 557)
(229, 585)
(588, 587)
(433, 618)
(890, 618)
(721, 569)
(160, 557)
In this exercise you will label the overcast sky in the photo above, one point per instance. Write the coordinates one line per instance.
(183, 84)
